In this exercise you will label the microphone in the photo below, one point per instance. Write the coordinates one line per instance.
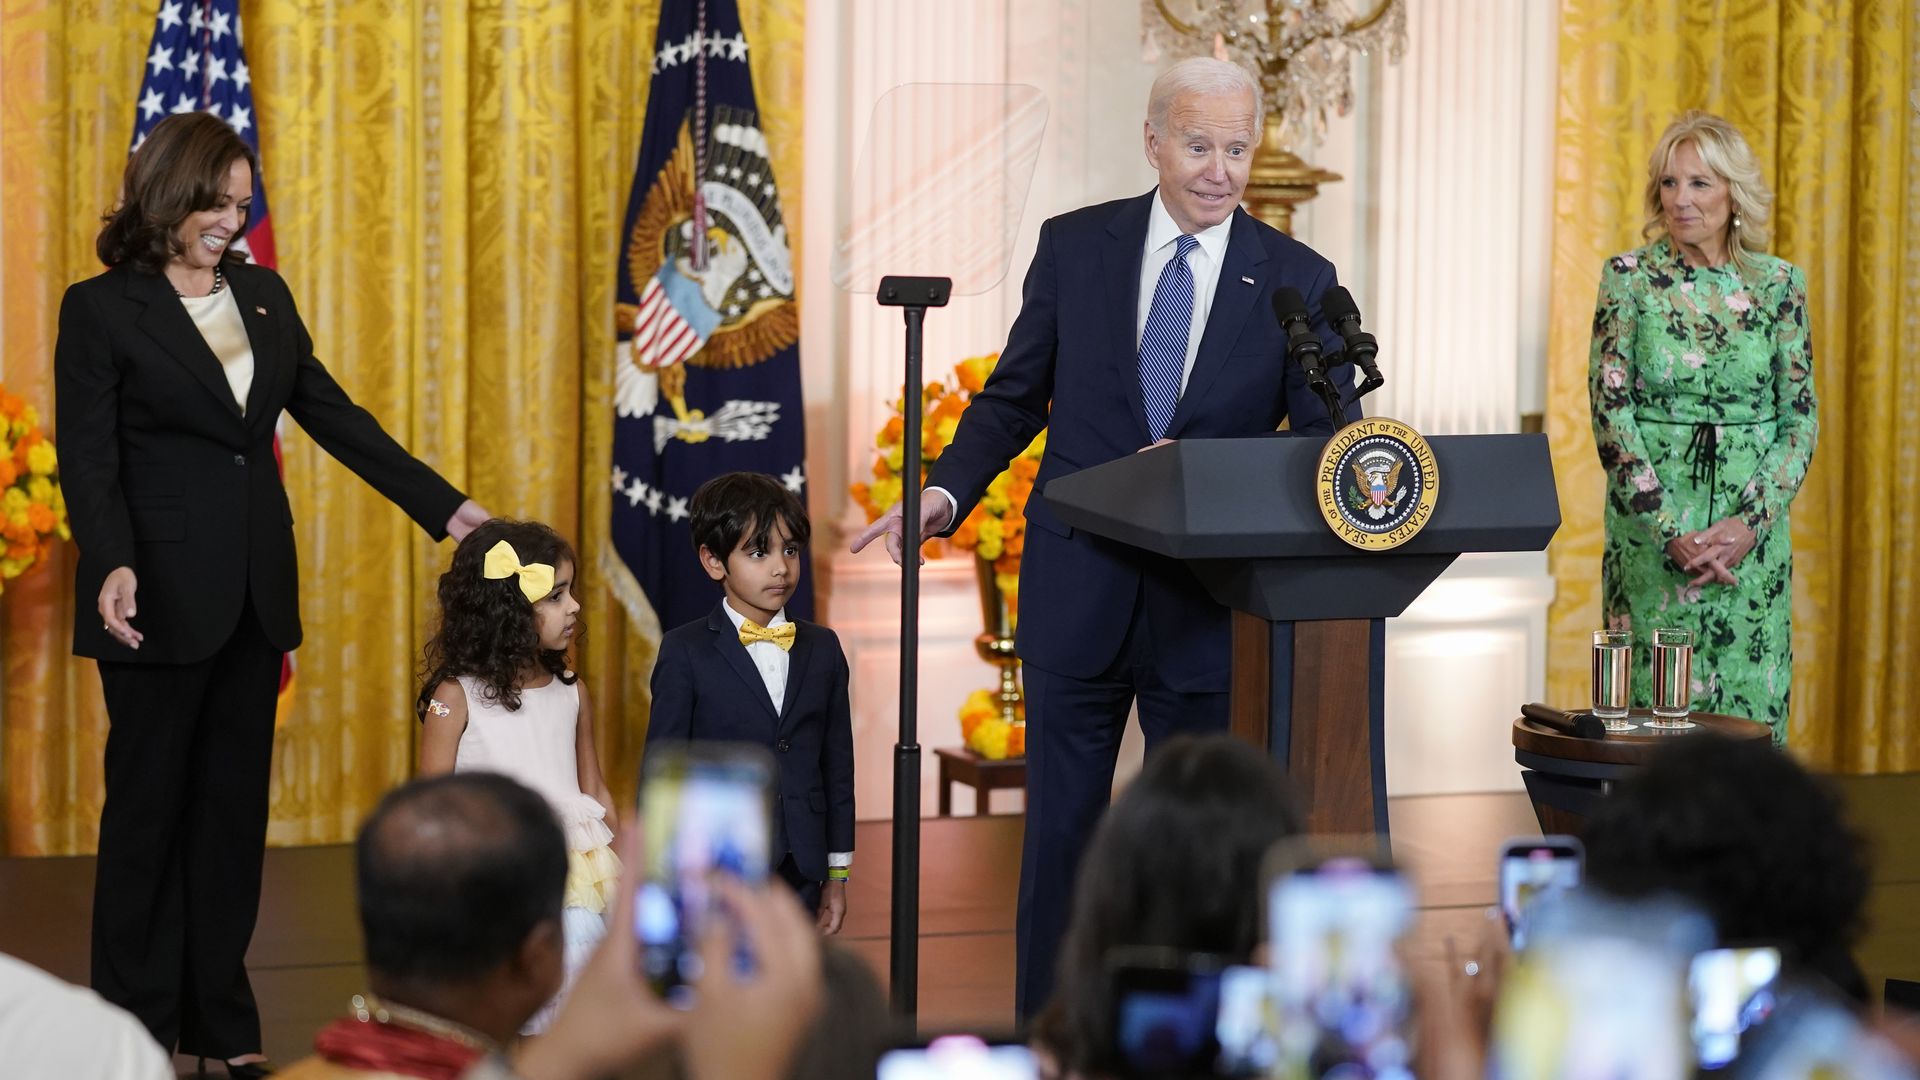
(1344, 316)
(1303, 345)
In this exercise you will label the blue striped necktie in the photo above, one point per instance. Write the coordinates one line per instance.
(1163, 344)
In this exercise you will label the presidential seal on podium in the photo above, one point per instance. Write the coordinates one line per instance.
(1377, 483)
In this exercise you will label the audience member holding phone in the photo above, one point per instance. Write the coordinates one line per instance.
(1753, 839)
(1175, 865)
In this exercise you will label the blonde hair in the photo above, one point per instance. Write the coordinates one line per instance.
(1723, 149)
(1204, 76)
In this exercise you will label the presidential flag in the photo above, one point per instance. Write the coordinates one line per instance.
(707, 331)
(195, 62)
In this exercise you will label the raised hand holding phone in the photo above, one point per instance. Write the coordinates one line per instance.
(706, 813)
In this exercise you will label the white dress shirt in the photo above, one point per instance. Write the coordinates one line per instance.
(772, 662)
(1205, 262)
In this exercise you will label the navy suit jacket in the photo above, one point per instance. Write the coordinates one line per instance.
(706, 689)
(1072, 365)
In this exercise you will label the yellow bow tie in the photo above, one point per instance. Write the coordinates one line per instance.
(536, 579)
(781, 635)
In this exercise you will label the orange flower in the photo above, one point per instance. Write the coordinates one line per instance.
(967, 536)
(11, 406)
(892, 431)
(8, 474)
(1017, 741)
(1024, 469)
(39, 518)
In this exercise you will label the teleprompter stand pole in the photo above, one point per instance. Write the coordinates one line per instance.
(914, 295)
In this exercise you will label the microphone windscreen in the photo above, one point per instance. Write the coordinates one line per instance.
(1289, 305)
(1337, 304)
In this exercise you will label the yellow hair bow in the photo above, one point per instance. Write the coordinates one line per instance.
(536, 579)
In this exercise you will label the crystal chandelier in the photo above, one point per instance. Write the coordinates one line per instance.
(1302, 51)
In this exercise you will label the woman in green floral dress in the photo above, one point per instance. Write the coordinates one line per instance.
(1701, 378)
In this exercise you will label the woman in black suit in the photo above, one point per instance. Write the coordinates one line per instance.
(170, 370)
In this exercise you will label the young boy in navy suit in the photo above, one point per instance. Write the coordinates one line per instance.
(746, 673)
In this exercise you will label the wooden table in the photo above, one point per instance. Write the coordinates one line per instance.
(961, 765)
(1567, 776)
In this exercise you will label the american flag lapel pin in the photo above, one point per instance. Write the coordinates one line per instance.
(1246, 279)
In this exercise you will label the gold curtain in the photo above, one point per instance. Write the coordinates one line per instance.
(1821, 90)
(446, 180)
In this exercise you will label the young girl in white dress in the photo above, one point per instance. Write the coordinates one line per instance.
(500, 696)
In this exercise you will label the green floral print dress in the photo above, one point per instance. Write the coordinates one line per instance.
(1703, 408)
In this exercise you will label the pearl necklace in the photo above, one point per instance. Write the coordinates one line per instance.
(219, 282)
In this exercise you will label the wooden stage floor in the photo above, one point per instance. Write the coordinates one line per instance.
(305, 956)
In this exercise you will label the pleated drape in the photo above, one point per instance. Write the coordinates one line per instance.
(447, 179)
(1822, 92)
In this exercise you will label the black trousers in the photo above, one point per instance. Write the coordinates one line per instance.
(182, 834)
(1074, 727)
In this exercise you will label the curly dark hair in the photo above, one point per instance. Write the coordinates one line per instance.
(1175, 863)
(1749, 835)
(486, 626)
(180, 169)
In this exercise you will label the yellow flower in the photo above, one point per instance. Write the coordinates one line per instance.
(995, 500)
(992, 536)
(990, 740)
(40, 459)
(15, 502)
(40, 490)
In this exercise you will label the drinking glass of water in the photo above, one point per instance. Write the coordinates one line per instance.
(1612, 675)
(1672, 679)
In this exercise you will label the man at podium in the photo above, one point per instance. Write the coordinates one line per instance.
(1142, 321)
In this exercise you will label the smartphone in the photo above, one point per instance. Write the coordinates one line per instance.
(1600, 992)
(1245, 1028)
(706, 809)
(1729, 991)
(1341, 993)
(959, 1057)
(1165, 1003)
(1533, 869)
(1189, 1014)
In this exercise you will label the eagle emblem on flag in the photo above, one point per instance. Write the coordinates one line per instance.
(711, 249)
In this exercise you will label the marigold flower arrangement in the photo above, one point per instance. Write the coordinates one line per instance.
(33, 511)
(995, 530)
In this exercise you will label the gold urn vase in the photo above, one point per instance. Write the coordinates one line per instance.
(995, 645)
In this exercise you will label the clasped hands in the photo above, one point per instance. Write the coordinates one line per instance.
(1713, 551)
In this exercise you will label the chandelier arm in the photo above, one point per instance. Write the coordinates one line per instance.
(1366, 22)
(1183, 29)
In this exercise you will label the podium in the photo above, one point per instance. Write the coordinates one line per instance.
(1307, 678)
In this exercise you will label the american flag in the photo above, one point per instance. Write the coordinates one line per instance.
(196, 62)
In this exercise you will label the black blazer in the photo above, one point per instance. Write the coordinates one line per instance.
(1072, 364)
(163, 473)
(705, 688)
